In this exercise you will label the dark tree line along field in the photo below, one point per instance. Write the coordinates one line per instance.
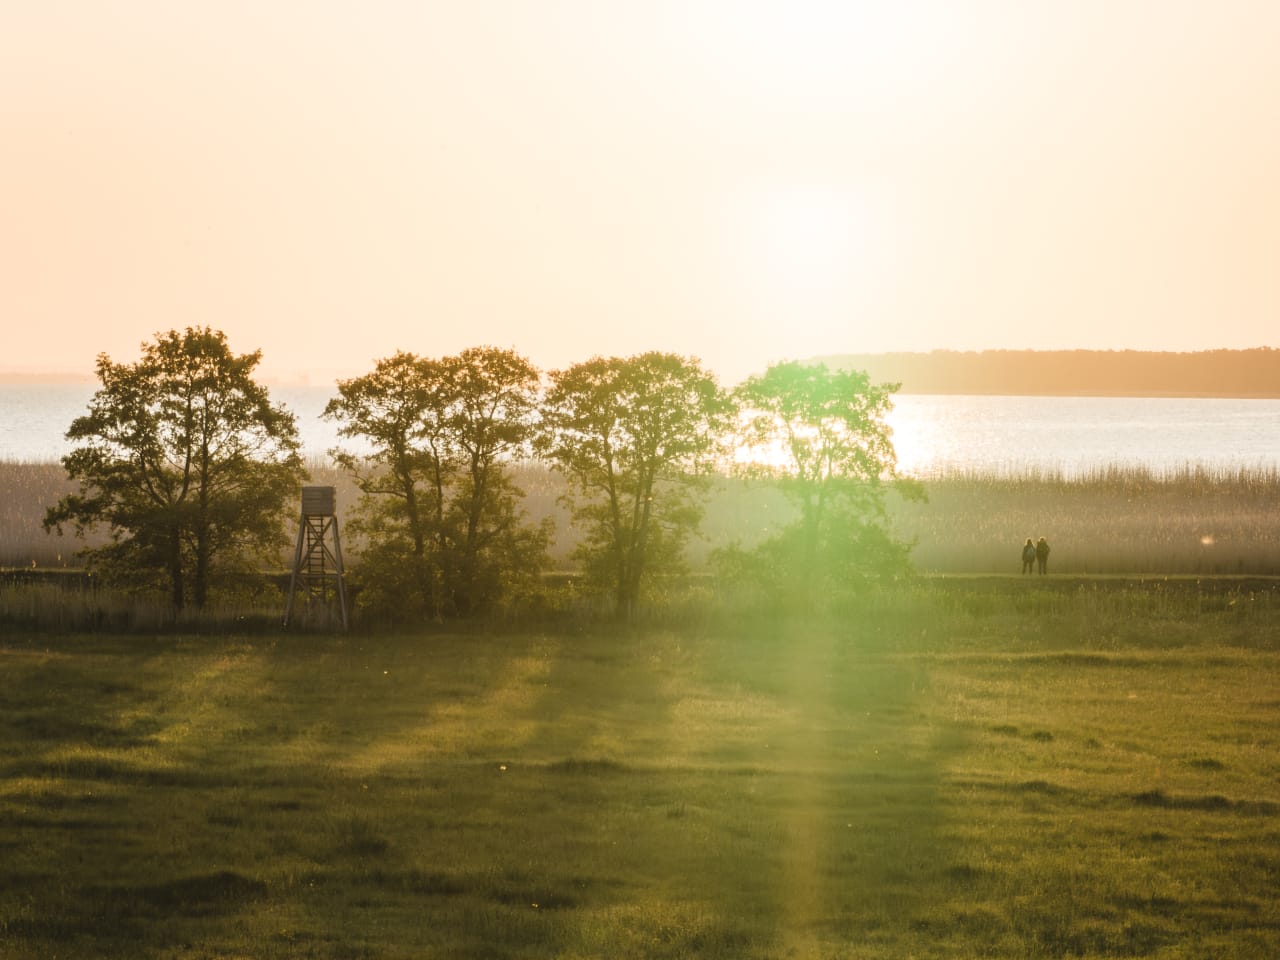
(183, 469)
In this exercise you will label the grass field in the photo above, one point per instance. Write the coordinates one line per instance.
(959, 768)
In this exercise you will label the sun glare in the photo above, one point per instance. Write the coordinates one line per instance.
(784, 53)
(803, 251)
(809, 239)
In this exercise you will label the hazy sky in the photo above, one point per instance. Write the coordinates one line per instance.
(742, 181)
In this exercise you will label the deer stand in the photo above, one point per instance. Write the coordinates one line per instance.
(317, 563)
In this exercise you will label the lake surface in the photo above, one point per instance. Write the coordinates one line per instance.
(1078, 434)
(1008, 434)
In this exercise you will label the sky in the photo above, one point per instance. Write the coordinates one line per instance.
(736, 180)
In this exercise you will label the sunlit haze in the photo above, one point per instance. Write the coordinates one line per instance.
(741, 181)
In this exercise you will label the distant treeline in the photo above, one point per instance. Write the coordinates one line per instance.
(1111, 373)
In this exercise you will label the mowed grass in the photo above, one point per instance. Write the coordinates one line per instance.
(944, 771)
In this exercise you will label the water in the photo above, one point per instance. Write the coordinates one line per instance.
(1068, 434)
(1078, 434)
(35, 417)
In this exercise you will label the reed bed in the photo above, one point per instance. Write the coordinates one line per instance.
(28, 489)
(1117, 520)
(1113, 520)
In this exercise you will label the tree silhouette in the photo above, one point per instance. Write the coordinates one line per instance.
(440, 510)
(634, 436)
(186, 461)
(821, 435)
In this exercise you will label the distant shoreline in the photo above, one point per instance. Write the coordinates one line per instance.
(1252, 374)
(1205, 375)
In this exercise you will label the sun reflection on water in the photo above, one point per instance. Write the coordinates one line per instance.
(1075, 435)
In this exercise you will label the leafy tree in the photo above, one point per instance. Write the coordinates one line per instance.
(187, 462)
(821, 435)
(491, 421)
(396, 411)
(440, 511)
(634, 436)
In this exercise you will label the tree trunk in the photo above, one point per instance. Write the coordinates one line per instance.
(201, 585)
(633, 571)
(175, 569)
(417, 530)
(625, 606)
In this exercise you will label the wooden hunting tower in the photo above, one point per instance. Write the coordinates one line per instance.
(317, 562)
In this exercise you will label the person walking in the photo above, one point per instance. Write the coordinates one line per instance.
(1042, 554)
(1028, 556)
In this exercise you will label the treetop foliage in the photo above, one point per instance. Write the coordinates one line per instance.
(631, 434)
(440, 510)
(830, 425)
(184, 458)
(826, 442)
(642, 417)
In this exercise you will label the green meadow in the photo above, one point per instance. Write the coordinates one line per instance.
(957, 767)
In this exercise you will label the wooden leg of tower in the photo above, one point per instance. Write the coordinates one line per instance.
(337, 562)
(297, 564)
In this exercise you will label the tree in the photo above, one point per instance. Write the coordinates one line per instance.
(396, 411)
(440, 511)
(634, 436)
(185, 459)
(821, 435)
(491, 421)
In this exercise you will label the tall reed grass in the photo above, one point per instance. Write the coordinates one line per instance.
(26, 491)
(1113, 520)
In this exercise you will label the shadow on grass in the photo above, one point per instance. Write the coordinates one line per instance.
(116, 917)
(780, 789)
(774, 790)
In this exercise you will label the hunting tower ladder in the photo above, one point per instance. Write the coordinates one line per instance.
(317, 562)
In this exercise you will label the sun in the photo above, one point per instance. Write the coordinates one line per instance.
(808, 266)
(805, 258)
(810, 241)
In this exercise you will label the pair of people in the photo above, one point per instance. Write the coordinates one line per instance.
(1035, 554)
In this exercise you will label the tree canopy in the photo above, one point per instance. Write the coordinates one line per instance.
(633, 435)
(822, 435)
(185, 459)
(440, 511)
